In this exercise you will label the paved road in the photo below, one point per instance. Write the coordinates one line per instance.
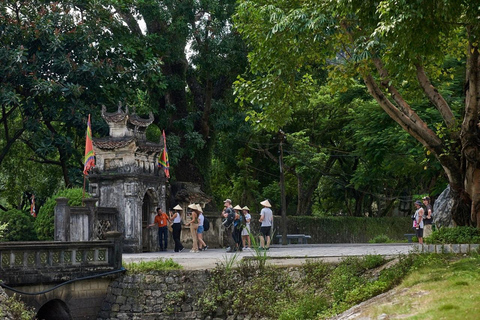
(280, 255)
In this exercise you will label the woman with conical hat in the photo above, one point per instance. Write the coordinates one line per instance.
(193, 223)
(246, 230)
(201, 244)
(237, 227)
(176, 218)
(266, 220)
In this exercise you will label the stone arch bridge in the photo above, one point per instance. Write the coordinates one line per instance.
(61, 280)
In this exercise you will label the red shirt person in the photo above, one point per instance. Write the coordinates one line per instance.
(161, 220)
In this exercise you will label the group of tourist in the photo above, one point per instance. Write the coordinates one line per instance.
(236, 224)
(423, 219)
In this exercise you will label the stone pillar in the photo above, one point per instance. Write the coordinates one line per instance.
(92, 217)
(115, 257)
(62, 220)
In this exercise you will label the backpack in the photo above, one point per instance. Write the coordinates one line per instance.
(228, 221)
(206, 224)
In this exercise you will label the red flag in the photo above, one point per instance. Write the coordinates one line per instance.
(89, 153)
(32, 207)
(163, 159)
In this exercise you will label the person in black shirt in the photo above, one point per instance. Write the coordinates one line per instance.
(428, 218)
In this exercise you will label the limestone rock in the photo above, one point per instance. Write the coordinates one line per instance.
(442, 209)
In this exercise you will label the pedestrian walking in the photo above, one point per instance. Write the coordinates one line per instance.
(266, 220)
(176, 218)
(201, 218)
(246, 230)
(193, 224)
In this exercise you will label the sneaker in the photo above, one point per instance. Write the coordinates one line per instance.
(228, 249)
(205, 248)
(192, 250)
(181, 249)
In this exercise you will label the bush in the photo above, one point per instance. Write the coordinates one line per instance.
(14, 308)
(308, 307)
(380, 239)
(19, 226)
(44, 223)
(455, 235)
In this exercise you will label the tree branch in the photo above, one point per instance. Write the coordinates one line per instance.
(418, 129)
(435, 97)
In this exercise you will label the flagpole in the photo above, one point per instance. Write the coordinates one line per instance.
(83, 195)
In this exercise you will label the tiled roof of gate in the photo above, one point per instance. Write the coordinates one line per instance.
(111, 143)
(117, 143)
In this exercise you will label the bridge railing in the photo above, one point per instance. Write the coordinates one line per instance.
(55, 261)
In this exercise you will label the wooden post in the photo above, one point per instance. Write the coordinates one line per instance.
(282, 190)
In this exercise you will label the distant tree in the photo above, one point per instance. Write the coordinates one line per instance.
(201, 56)
(19, 226)
(59, 62)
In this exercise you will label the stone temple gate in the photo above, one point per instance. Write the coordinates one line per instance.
(126, 177)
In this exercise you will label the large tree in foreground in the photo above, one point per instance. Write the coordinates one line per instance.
(402, 51)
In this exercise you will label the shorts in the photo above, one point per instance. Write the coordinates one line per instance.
(265, 231)
(200, 229)
(419, 233)
(246, 230)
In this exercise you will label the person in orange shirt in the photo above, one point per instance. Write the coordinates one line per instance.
(161, 219)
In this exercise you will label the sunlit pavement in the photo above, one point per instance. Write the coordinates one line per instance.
(278, 254)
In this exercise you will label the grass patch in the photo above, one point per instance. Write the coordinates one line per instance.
(453, 295)
(156, 265)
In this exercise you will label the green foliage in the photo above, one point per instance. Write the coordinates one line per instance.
(19, 226)
(44, 223)
(13, 308)
(316, 272)
(324, 290)
(457, 235)
(259, 293)
(308, 307)
(145, 266)
(380, 239)
(3, 227)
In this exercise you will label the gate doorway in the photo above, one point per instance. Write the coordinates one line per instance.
(148, 211)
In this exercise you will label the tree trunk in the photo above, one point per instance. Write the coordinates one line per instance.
(469, 137)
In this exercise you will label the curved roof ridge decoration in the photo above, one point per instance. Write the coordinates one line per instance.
(141, 122)
(121, 115)
(118, 116)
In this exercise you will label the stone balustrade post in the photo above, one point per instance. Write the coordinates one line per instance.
(92, 217)
(115, 258)
(62, 220)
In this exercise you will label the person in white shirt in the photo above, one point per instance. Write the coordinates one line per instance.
(266, 218)
(176, 217)
(246, 230)
(201, 244)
